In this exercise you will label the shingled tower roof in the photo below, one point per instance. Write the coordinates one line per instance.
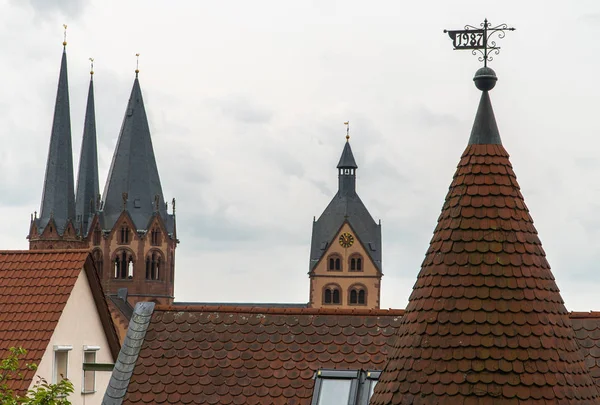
(88, 189)
(133, 170)
(58, 198)
(485, 323)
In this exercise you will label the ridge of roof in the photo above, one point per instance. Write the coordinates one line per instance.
(133, 173)
(485, 321)
(347, 159)
(58, 196)
(280, 310)
(88, 189)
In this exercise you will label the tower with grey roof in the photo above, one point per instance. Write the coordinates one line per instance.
(345, 255)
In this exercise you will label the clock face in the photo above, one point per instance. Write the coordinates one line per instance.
(346, 240)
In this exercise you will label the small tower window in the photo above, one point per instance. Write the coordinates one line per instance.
(357, 295)
(334, 263)
(331, 295)
(155, 237)
(123, 265)
(356, 263)
(97, 236)
(124, 235)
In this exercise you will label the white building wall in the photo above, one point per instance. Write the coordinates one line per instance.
(79, 325)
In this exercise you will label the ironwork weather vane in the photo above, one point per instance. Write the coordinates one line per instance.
(479, 39)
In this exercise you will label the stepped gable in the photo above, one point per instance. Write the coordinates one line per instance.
(485, 323)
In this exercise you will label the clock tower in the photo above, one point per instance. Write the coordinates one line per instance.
(345, 255)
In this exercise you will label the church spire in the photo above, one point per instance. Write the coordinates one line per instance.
(87, 180)
(58, 199)
(347, 168)
(133, 170)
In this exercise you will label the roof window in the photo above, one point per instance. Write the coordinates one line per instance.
(344, 387)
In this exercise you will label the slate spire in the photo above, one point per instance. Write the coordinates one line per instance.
(485, 322)
(88, 189)
(58, 198)
(347, 171)
(133, 169)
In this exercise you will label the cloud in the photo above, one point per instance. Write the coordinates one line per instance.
(70, 8)
(243, 110)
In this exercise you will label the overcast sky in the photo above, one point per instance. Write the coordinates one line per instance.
(246, 102)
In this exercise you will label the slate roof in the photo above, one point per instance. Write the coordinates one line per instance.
(34, 289)
(485, 322)
(58, 198)
(243, 355)
(346, 206)
(347, 159)
(88, 189)
(133, 170)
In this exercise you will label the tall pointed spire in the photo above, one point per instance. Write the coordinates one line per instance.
(58, 199)
(133, 169)
(485, 322)
(88, 188)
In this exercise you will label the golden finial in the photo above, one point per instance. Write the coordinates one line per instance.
(91, 66)
(347, 124)
(137, 64)
(65, 35)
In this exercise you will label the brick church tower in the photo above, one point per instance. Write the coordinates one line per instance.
(345, 255)
(130, 233)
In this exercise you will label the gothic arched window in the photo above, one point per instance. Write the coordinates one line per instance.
(124, 235)
(154, 265)
(98, 262)
(123, 265)
(155, 237)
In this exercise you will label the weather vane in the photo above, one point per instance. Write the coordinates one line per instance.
(65, 35)
(479, 39)
(347, 124)
(91, 66)
(137, 63)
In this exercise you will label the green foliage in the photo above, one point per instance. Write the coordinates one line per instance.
(42, 392)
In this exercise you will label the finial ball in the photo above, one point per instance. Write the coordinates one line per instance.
(485, 79)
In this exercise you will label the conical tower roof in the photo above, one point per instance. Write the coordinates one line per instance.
(58, 199)
(485, 323)
(88, 188)
(347, 159)
(133, 170)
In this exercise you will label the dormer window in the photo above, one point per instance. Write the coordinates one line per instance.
(331, 295)
(356, 263)
(124, 235)
(334, 263)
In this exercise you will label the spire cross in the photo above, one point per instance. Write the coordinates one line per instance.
(478, 39)
(347, 124)
(137, 64)
(65, 35)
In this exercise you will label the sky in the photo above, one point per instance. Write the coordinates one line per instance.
(246, 103)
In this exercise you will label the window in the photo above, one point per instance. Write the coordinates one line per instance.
(98, 262)
(357, 295)
(331, 294)
(153, 266)
(155, 237)
(123, 265)
(356, 263)
(334, 263)
(97, 236)
(61, 363)
(89, 376)
(344, 387)
(124, 235)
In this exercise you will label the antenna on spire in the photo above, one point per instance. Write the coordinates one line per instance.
(347, 124)
(137, 64)
(65, 35)
(91, 66)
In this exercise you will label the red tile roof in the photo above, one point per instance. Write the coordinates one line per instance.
(587, 331)
(34, 289)
(485, 322)
(236, 355)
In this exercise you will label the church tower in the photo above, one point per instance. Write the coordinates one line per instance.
(55, 226)
(133, 235)
(345, 255)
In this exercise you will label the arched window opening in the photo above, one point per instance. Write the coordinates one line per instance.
(331, 294)
(153, 266)
(356, 263)
(336, 296)
(334, 263)
(123, 266)
(357, 295)
(327, 296)
(155, 237)
(98, 262)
